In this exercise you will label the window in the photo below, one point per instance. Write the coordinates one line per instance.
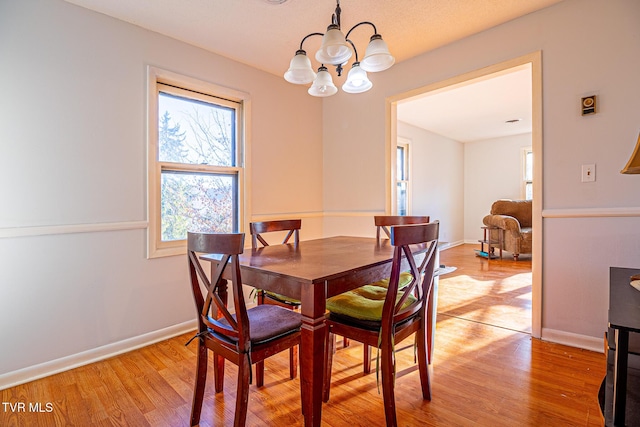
(527, 173)
(402, 176)
(195, 161)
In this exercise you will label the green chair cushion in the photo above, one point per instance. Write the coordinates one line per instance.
(282, 298)
(405, 279)
(363, 303)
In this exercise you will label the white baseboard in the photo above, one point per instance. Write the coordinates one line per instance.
(21, 376)
(447, 245)
(573, 340)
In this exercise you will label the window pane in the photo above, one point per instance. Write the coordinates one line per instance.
(402, 198)
(400, 169)
(197, 202)
(195, 132)
(528, 166)
(529, 191)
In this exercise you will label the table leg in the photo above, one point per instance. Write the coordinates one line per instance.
(432, 312)
(313, 302)
(620, 377)
(223, 292)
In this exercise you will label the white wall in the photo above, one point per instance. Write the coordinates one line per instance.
(492, 171)
(73, 151)
(437, 179)
(575, 63)
(74, 280)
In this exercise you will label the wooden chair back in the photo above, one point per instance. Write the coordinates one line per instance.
(410, 242)
(415, 248)
(230, 336)
(291, 225)
(383, 222)
(211, 308)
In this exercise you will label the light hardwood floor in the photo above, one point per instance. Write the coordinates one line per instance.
(483, 375)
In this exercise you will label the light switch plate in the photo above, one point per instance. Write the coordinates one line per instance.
(588, 173)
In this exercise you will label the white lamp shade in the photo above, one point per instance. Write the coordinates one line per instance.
(357, 80)
(300, 71)
(377, 56)
(323, 85)
(335, 49)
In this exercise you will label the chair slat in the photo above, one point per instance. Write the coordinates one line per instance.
(228, 335)
(293, 227)
(383, 222)
(397, 323)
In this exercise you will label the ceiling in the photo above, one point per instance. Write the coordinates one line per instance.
(493, 106)
(265, 34)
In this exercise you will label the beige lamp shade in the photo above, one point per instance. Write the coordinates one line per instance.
(633, 165)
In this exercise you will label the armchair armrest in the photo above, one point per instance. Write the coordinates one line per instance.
(504, 222)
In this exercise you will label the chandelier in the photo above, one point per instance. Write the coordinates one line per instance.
(336, 50)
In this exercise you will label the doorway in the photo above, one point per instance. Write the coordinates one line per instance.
(531, 62)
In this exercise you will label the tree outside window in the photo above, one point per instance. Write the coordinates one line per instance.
(195, 140)
(195, 164)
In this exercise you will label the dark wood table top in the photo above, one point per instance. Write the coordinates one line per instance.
(624, 300)
(340, 263)
(316, 261)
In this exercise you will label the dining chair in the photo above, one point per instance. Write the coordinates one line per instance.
(383, 318)
(382, 223)
(248, 336)
(292, 228)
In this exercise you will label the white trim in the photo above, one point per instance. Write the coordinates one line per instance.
(352, 213)
(523, 167)
(591, 212)
(405, 143)
(533, 59)
(47, 230)
(288, 215)
(573, 340)
(24, 375)
(312, 214)
(448, 245)
(157, 77)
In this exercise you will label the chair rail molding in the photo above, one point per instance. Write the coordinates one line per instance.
(47, 230)
(591, 212)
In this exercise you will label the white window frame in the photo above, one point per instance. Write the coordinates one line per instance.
(406, 145)
(156, 79)
(525, 179)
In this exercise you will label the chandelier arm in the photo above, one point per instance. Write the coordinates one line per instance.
(307, 36)
(332, 51)
(375, 30)
(354, 48)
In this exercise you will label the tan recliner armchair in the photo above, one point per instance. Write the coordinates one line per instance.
(514, 219)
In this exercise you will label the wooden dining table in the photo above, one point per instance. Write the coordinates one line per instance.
(312, 271)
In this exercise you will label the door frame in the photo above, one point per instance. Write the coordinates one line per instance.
(535, 59)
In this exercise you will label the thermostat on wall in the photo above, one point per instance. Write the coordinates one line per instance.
(589, 105)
